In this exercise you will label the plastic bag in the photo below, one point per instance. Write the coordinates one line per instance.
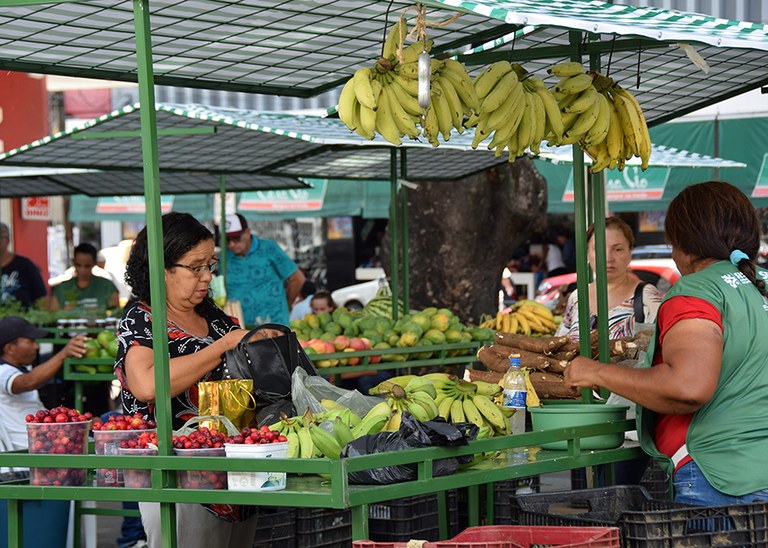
(411, 435)
(308, 390)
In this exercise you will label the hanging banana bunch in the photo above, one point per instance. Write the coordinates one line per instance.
(516, 108)
(602, 117)
(390, 100)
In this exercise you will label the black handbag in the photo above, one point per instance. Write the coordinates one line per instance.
(270, 362)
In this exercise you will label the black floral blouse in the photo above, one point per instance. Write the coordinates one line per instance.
(135, 328)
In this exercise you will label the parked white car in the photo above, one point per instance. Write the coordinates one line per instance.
(357, 296)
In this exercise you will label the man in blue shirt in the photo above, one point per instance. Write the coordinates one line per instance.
(260, 275)
(20, 279)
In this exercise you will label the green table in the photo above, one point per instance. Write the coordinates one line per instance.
(310, 490)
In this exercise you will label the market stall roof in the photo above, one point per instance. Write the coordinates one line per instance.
(304, 47)
(271, 144)
(16, 182)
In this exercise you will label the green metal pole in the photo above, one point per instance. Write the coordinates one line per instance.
(156, 261)
(222, 225)
(580, 221)
(404, 233)
(597, 186)
(393, 240)
(15, 523)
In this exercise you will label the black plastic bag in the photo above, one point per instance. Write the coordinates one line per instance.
(270, 414)
(412, 435)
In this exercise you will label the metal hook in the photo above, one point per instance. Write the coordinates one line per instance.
(386, 25)
(639, 51)
(610, 56)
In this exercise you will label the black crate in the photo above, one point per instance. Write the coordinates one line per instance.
(501, 493)
(411, 518)
(276, 527)
(656, 482)
(321, 527)
(645, 522)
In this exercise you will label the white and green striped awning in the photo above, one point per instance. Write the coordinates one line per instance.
(305, 47)
(246, 144)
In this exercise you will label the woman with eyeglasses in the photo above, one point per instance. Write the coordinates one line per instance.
(199, 333)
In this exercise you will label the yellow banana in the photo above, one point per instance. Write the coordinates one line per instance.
(442, 111)
(574, 84)
(599, 130)
(499, 320)
(514, 322)
(500, 116)
(392, 42)
(601, 158)
(490, 411)
(487, 388)
(644, 140)
(409, 70)
(405, 123)
(615, 137)
(363, 89)
(407, 100)
(393, 424)
(541, 122)
(306, 445)
(525, 327)
(421, 384)
(385, 121)
(505, 323)
(471, 413)
(583, 101)
(418, 411)
(374, 420)
(367, 121)
(324, 442)
(526, 127)
(430, 127)
(426, 402)
(346, 106)
(454, 103)
(457, 411)
(538, 308)
(583, 123)
(463, 86)
(293, 445)
(568, 68)
(531, 397)
(402, 381)
(444, 409)
(630, 123)
(499, 93)
(342, 432)
(412, 51)
(487, 80)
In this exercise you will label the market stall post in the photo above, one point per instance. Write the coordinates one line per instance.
(393, 242)
(404, 232)
(149, 151)
(222, 231)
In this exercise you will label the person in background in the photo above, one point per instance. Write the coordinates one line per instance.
(84, 291)
(567, 245)
(20, 279)
(322, 302)
(260, 275)
(302, 307)
(199, 334)
(701, 397)
(19, 380)
(623, 286)
(553, 262)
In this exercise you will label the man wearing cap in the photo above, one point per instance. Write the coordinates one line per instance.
(20, 279)
(19, 381)
(259, 274)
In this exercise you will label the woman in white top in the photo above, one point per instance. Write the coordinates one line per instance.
(622, 286)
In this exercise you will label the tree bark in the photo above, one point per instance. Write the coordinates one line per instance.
(462, 233)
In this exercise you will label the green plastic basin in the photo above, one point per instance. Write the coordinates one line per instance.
(566, 415)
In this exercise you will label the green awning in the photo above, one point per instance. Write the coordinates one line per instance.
(131, 208)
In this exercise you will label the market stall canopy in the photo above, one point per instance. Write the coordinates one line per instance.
(16, 182)
(238, 141)
(305, 47)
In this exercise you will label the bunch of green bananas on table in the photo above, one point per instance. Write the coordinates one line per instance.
(408, 393)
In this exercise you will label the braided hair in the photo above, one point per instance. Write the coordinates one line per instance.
(712, 220)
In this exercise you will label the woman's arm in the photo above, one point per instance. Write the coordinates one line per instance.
(185, 371)
(685, 380)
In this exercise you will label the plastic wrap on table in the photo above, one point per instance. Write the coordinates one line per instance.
(308, 390)
(411, 435)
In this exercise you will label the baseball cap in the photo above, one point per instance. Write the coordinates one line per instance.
(235, 225)
(13, 327)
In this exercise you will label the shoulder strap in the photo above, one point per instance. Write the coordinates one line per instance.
(638, 303)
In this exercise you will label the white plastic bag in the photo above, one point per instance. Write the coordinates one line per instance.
(307, 391)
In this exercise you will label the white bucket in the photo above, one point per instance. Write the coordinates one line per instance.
(256, 481)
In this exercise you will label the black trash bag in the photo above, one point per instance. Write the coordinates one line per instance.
(412, 435)
(271, 413)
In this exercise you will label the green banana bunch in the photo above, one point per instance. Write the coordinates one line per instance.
(324, 441)
(374, 420)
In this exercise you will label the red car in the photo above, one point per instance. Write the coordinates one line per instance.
(660, 272)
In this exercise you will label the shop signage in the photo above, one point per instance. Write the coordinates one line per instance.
(761, 187)
(130, 204)
(298, 199)
(37, 208)
(632, 184)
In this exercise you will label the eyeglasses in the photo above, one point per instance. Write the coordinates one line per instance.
(200, 270)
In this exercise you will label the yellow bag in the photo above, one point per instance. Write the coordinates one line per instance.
(231, 398)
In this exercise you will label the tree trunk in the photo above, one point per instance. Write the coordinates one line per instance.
(462, 233)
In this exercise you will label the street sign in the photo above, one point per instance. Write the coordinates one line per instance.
(299, 199)
(37, 208)
(632, 184)
(130, 204)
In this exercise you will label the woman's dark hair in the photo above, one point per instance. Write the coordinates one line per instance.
(710, 220)
(319, 295)
(181, 232)
(615, 223)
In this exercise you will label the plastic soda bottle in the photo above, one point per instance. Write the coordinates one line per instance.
(515, 393)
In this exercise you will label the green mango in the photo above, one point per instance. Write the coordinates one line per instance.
(422, 320)
(324, 318)
(435, 336)
(453, 336)
(334, 328)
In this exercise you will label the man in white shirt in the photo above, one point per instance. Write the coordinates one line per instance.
(19, 381)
